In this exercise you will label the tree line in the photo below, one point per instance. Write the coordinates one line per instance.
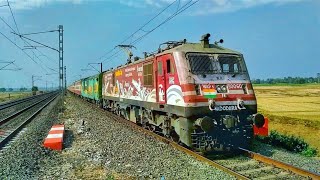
(287, 80)
(11, 89)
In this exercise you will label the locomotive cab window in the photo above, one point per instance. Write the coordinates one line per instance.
(203, 63)
(160, 68)
(170, 69)
(148, 74)
(209, 64)
(231, 64)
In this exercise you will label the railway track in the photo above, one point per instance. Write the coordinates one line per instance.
(256, 166)
(12, 124)
(6, 105)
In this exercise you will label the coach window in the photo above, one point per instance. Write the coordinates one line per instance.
(160, 68)
(170, 69)
(147, 74)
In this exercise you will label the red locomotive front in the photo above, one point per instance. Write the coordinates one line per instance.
(198, 94)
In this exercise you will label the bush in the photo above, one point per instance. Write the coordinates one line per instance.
(288, 142)
(309, 152)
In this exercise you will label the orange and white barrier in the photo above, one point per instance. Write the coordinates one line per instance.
(54, 140)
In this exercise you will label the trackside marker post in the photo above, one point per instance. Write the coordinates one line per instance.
(54, 140)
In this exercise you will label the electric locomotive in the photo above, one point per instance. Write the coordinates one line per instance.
(198, 94)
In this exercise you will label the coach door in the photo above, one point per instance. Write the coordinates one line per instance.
(162, 77)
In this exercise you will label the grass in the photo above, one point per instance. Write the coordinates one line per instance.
(286, 84)
(4, 96)
(292, 110)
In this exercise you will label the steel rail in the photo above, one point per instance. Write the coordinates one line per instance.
(187, 151)
(6, 119)
(15, 102)
(22, 125)
(281, 165)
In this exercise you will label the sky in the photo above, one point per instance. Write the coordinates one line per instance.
(278, 38)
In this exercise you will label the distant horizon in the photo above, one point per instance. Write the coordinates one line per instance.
(252, 79)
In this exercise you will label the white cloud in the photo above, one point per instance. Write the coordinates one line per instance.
(209, 6)
(29, 4)
(201, 8)
(222, 6)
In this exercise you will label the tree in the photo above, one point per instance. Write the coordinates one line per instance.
(10, 89)
(23, 89)
(34, 88)
(2, 89)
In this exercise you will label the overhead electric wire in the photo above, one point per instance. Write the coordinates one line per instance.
(180, 10)
(183, 8)
(148, 22)
(140, 28)
(8, 64)
(7, 24)
(42, 32)
(12, 30)
(27, 38)
(21, 49)
(14, 19)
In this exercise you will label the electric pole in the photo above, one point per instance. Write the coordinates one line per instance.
(60, 57)
(32, 82)
(65, 78)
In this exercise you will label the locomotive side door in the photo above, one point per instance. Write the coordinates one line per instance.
(163, 77)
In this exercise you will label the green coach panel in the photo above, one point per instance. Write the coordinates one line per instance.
(91, 87)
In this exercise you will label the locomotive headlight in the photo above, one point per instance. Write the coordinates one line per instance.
(222, 88)
(218, 88)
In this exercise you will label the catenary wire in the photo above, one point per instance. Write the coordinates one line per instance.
(140, 28)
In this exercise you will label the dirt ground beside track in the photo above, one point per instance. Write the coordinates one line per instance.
(293, 110)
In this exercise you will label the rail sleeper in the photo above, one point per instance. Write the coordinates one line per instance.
(54, 140)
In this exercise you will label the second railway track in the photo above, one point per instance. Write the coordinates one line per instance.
(12, 124)
(253, 165)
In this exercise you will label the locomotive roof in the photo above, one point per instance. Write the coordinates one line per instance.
(185, 47)
(197, 47)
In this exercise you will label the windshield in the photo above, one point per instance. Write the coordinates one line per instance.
(213, 64)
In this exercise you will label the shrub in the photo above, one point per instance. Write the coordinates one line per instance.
(288, 142)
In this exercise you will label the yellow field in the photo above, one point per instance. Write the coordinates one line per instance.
(292, 110)
(13, 95)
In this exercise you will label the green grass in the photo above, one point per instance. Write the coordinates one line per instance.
(4, 96)
(292, 110)
(289, 142)
(287, 84)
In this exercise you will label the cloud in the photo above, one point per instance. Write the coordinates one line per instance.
(201, 8)
(30, 4)
(208, 6)
(223, 6)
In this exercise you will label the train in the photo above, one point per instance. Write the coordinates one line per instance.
(197, 94)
